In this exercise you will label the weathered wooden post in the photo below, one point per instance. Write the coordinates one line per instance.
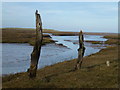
(81, 50)
(37, 47)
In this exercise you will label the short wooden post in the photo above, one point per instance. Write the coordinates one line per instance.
(81, 50)
(37, 47)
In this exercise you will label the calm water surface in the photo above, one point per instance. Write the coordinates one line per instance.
(16, 57)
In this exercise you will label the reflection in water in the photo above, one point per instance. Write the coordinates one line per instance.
(16, 57)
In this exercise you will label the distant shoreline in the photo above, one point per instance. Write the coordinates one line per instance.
(27, 35)
(60, 31)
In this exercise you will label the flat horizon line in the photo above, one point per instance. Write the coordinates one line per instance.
(56, 30)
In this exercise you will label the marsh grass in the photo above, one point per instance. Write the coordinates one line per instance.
(95, 42)
(27, 35)
(114, 36)
(18, 35)
(113, 39)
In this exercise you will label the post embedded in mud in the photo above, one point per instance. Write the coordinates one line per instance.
(37, 47)
(81, 51)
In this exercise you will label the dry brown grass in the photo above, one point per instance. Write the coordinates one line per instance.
(13, 35)
(114, 36)
(112, 39)
(61, 33)
(95, 42)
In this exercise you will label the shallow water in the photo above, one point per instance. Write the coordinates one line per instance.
(16, 57)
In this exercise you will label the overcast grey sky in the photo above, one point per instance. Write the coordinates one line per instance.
(64, 16)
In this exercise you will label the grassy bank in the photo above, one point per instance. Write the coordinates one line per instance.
(112, 39)
(62, 33)
(27, 35)
(95, 42)
(94, 73)
(19, 35)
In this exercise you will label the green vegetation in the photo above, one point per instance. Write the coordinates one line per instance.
(94, 73)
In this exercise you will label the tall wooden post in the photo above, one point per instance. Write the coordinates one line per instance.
(37, 47)
(81, 50)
